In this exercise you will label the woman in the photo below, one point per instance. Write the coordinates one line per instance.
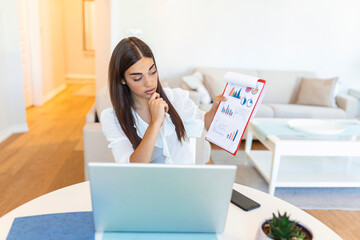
(146, 123)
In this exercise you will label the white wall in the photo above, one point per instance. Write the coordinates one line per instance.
(52, 37)
(12, 102)
(102, 42)
(318, 35)
(79, 64)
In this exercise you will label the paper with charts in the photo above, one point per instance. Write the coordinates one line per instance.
(244, 94)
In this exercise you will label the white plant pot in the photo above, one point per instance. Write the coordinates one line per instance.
(260, 235)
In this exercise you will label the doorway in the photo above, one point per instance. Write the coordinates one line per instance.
(25, 50)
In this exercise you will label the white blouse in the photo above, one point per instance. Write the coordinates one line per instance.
(167, 147)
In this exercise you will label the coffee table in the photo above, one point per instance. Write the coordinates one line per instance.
(239, 224)
(302, 159)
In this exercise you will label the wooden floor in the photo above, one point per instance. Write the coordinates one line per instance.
(50, 156)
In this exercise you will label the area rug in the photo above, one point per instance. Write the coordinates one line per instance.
(304, 198)
(87, 90)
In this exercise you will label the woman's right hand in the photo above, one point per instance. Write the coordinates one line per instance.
(158, 107)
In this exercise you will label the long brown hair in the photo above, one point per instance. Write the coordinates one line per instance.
(126, 53)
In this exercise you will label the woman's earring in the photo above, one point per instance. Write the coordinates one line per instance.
(123, 82)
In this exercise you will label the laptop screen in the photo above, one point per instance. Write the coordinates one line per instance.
(160, 197)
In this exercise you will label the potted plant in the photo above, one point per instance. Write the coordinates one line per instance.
(282, 228)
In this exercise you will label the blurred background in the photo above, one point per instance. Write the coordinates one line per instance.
(54, 58)
(46, 45)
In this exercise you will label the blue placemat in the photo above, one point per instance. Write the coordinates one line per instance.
(64, 226)
(79, 226)
(281, 128)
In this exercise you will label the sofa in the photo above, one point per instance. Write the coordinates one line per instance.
(281, 95)
(279, 102)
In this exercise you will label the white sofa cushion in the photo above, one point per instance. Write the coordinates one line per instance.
(264, 111)
(195, 82)
(214, 78)
(282, 86)
(305, 111)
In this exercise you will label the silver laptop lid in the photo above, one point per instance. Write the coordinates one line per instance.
(160, 197)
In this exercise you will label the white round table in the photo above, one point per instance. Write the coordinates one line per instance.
(239, 224)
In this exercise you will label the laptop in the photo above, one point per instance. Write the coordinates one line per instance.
(160, 197)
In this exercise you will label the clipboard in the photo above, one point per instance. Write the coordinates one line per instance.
(244, 95)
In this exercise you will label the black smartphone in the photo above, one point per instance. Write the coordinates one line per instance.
(243, 202)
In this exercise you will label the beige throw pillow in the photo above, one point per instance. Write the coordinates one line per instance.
(319, 92)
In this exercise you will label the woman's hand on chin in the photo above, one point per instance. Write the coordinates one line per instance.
(158, 107)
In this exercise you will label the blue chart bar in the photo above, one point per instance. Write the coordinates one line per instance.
(232, 136)
(235, 134)
(227, 111)
(235, 94)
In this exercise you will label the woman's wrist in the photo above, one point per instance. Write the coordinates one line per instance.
(155, 124)
(213, 109)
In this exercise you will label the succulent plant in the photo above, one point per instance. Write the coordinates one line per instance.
(282, 228)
